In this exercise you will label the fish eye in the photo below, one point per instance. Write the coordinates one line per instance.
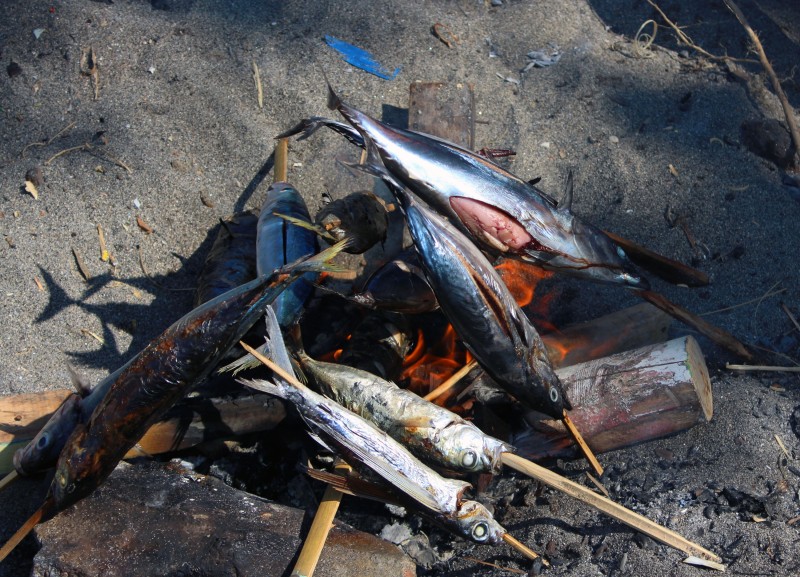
(69, 488)
(480, 531)
(554, 394)
(43, 441)
(469, 459)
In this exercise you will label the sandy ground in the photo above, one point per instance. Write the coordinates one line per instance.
(178, 140)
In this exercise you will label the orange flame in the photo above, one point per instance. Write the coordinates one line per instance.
(427, 367)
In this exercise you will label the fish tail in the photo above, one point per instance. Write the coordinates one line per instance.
(308, 126)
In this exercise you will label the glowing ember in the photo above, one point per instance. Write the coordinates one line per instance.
(426, 367)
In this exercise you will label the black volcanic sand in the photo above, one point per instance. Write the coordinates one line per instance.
(648, 133)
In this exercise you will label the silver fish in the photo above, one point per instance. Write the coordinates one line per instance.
(503, 213)
(482, 310)
(431, 432)
(363, 444)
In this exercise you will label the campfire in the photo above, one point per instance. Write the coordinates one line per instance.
(626, 381)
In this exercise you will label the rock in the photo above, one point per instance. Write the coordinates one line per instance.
(769, 139)
(153, 519)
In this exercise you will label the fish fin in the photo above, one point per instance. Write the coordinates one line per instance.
(263, 386)
(355, 485)
(308, 126)
(418, 423)
(82, 385)
(302, 223)
(334, 102)
(319, 262)
(565, 204)
(534, 181)
(244, 363)
(275, 342)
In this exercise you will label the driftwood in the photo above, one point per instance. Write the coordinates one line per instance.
(624, 399)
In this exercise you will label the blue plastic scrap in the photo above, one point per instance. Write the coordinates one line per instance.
(360, 58)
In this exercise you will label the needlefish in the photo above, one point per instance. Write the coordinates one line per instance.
(501, 212)
(366, 446)
(168, 367)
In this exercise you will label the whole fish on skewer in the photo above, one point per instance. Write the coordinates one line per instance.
(279, 243)
(171, 365)
(366, 446)
(431, 432)
(503, 213)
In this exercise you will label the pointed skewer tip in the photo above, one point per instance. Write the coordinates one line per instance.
(523, 549)
(587, 452)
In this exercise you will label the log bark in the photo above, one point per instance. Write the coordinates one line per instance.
(625, 399)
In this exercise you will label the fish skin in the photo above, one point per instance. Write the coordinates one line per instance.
(431, 432)
(398, 286)
(279, 243)
(364, 444)
(163, 372)
(482, 310)
(504, 214)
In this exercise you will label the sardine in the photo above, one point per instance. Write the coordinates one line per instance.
(279, 243)
(364, 445)
(171, 365)
(431, 432)
(482, 310)
(503, 213)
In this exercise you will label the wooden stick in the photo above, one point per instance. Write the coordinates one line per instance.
(281, 170)
(291, 379)
(451, 382)
(318, 533)
(8, 479)
(788, 111)
(530, 554)
(578, 438)
(762, 368)
(22, 532)
(670, 270)
(716, 334)
(610, 508)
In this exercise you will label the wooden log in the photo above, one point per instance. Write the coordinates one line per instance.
(624, 399)
(443, 110)
(195, 420)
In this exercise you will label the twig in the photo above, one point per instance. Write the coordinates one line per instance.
(509, 569)
(259, 89)
(83, 146)
(104, 256)
(451, 382)
(682, 37)
(81, 265)
(745, 303)
(788, 111)
(766, 368)
(48, 141)
(790, 315)
(614, 510)
(444, 34)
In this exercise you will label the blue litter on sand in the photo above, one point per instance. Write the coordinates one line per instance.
(360, 58)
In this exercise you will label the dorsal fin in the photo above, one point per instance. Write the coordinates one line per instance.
(565, 204)
(535, 181)
(82, 385)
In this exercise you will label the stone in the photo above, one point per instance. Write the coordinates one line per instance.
(153, 519)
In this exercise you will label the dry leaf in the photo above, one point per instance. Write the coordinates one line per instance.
(143, 225)
(31, 188)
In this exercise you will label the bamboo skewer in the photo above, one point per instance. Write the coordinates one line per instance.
(8, 479)
(578, 438)
(451, 382)
(610, 508)
(318, 533)
(22, 532)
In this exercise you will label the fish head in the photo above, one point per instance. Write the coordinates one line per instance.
(80, 469)
(42, 452)
(476, 452)
(477, 524)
